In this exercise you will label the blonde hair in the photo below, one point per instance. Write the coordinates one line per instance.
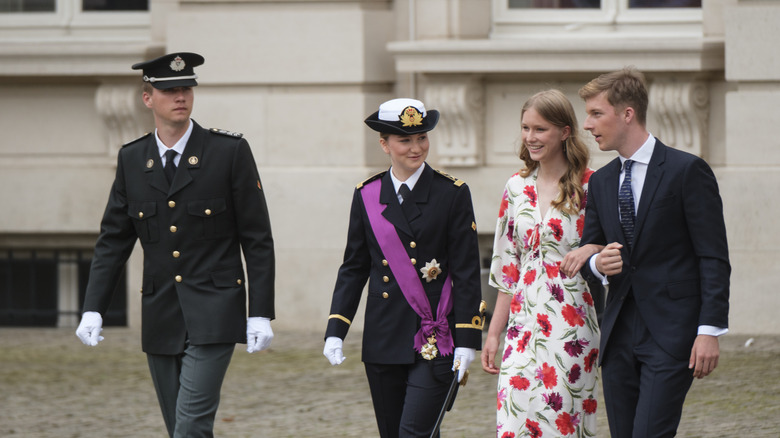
(624, 88)
(554, 107)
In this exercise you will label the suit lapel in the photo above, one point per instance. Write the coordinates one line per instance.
(611, 212)
(190, 159)
(655, 172)
(155, 175)
(393, 213)
(419, 194)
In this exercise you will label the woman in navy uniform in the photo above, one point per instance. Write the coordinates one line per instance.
(412, 235)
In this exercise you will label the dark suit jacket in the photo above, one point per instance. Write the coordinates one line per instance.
(192, 235)
(442, 228)
(678, 267)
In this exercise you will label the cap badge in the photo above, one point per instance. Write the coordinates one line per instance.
(431, 270)
(410, 117)
(193, 160)
(178, 64)
(149, 163)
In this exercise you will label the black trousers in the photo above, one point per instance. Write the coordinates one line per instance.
(644, 387)
(408, 397)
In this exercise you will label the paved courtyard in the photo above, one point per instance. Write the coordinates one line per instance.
(53, 386)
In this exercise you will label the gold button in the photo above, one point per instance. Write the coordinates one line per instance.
(385, 294)
(174, 229)
(414, 261)
(208, 212)
(176, 254)
(178, 278)
(238, 281)
(141, 291)
(140, 214)
(386, 279)
(413, 245)
(384, 262)
(171, 204)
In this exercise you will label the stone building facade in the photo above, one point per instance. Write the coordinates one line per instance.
(297, 77)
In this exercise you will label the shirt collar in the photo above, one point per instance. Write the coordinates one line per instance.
(410, 182)
(644, 153)
(179, 146)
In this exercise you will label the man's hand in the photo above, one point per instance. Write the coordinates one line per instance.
(333, 350)
(609, 261)
(461, 360)
(89, 329)
(704, 356)
(258, 333)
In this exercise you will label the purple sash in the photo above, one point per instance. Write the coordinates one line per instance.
(408, 279)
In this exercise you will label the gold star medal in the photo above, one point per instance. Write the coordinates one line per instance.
(431, 270)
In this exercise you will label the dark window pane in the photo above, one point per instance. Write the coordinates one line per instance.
(553, 4)
(28, 290)
(115, 5)
(664, 3)
(27, 5)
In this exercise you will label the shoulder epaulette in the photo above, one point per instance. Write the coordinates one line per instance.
(370, 178)
(457, 182)
(228, 133)
(137, 139)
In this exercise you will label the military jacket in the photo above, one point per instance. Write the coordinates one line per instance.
(442, 227)
(192, 232)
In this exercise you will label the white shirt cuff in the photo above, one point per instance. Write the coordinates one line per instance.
(595, 271)
(711, 330)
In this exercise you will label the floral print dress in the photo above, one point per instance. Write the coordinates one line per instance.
(547, 384)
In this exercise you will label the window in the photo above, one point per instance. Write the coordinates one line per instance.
(46, 287)
(86, 5)
(559, 18)
(564, 4)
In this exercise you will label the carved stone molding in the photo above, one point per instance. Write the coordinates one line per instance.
(123, 112)
(680, 109)
(460, 132)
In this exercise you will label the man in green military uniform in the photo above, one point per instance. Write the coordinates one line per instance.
(193, 197)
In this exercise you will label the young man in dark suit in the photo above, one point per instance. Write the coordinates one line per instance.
(412, 235)
(193, 197)
(659, 213)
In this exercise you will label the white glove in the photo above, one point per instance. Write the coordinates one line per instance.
(90, 327)
(333, 350)
(258, 333)
(461, 360)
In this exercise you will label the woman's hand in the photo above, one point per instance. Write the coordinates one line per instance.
(576, 258)
(489, 355)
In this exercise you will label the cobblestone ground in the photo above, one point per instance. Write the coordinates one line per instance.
(53, 386)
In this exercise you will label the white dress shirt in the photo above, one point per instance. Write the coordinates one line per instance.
(178, 147)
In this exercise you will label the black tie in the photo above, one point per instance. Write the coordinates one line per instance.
(406, 195)
(170, 167)
(626, 203)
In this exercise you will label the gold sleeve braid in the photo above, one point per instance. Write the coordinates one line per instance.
(341, 318)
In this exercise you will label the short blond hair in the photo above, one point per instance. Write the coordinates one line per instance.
(624, 88)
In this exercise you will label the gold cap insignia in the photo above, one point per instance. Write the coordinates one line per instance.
(178, 64)
(410, 117)
(193, 160)
(149, 163)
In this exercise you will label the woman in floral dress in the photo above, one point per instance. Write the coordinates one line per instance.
(547, 376)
